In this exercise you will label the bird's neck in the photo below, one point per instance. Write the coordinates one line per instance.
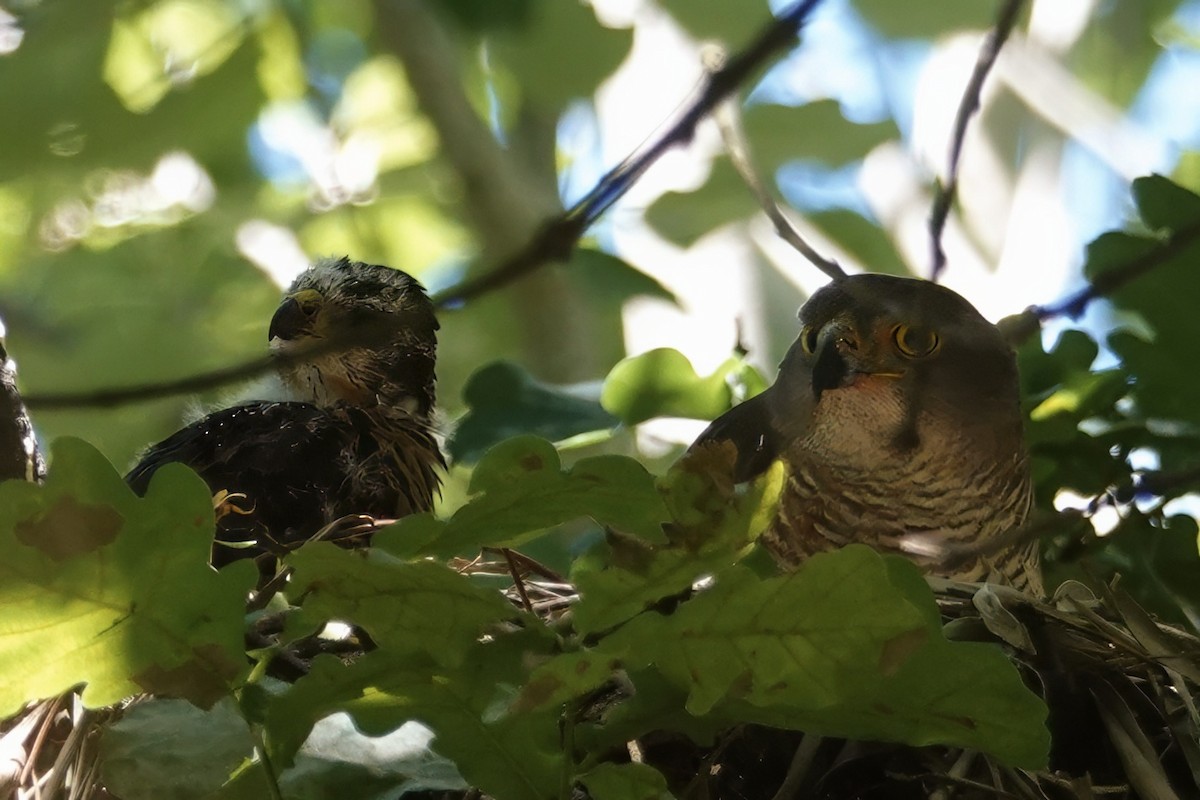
(400, 383)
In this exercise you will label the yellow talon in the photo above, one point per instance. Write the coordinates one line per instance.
(225, 503)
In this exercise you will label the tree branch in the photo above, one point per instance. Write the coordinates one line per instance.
(967, 107)
(1113, 279)
(558, 237)
(562, 235)
(1020, 327)
(729, 122)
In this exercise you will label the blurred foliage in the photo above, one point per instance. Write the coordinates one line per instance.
(777, 134)
(168, 165)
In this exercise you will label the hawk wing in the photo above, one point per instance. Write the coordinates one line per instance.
(748, 426)
(294, 467)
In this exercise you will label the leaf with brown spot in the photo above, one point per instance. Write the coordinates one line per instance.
(142, 609)
(204, 679)
(898, 649)
(69, 528)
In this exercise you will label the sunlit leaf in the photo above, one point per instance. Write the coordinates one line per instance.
(662, 383)
(391, 599)
(121, 597)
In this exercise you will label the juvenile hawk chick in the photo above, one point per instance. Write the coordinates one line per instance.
(354, 433)
(896, 412)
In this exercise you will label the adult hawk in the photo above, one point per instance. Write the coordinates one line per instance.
(353, 432)
(897, 415)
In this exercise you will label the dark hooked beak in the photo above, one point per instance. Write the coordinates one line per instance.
(840, 358)
(289, 322)
(830, 369)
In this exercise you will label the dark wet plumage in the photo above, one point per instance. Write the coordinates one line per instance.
(354, 437)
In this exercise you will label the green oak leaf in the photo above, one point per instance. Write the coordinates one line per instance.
(609, 277)
(683, 217)
(168, 748)
(868, 243)
(561, 52)
(663, 383)
(1164, 204)
(421, 606)
(625, 782)
(106, 589)
(504, 401)
(1165, 382)
(520, 489)
(731, 23)
(713, 524)
(775, 135)
(508, 756)
(815, 131)
(849, 644)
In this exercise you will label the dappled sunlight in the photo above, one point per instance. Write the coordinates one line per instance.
(677, 525)
(124, 203)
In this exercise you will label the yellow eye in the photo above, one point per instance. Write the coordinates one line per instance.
(915, 342)
(808, 339)
(309, 300)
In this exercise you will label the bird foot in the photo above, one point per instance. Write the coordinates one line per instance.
(347, 530)
(226, 503)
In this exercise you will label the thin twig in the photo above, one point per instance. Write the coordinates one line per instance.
(361, 335)
(1114, 278)
(81, 720)
(1018, 328)
(518, 581)
(48, 709)
(967, 106)
(528, 564)
(560, 237)
(729, 121)
(556, 242)
(951, 556)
